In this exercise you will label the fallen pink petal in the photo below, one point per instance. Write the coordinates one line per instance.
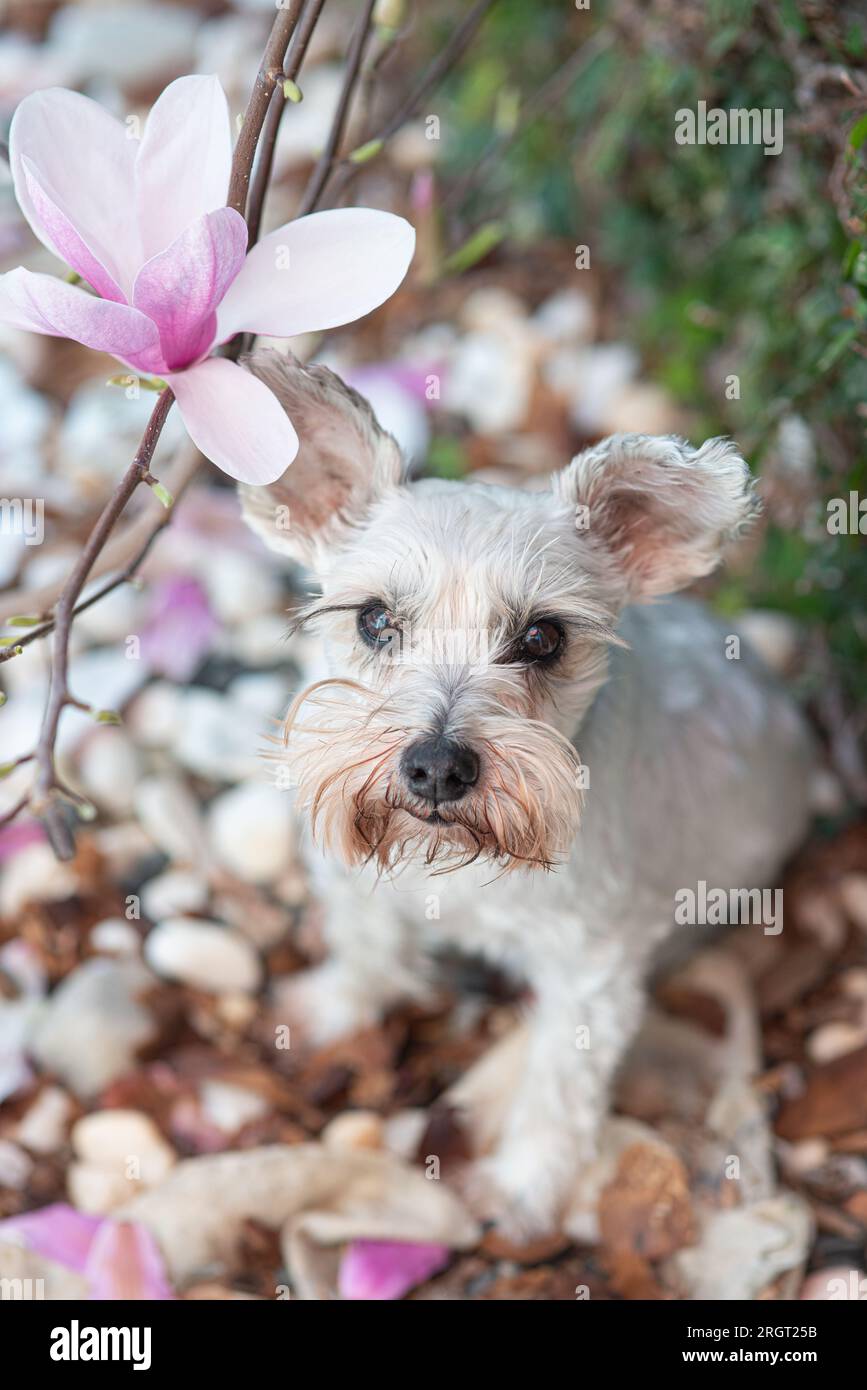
(57, 1232)
(124, 1263)
(179, 629)
(388, 1269)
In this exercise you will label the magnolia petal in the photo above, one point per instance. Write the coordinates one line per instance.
(383, 1269)
(179, 628)
(87, 160)
(70, 247)
(180, 288)
(124, 1262)
(57, 1232)
(319, 272)
(235, 420)
(183, 162)
(44, 304)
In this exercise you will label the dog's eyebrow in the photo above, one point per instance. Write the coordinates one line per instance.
(303, 616)
(594, 629)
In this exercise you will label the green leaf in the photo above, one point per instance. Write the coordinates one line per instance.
(858, 133)
(144, 383)
(10, 642)
(850, 257)
(291, 91)
(106, 716)
(835, 350)
(23, 622)
(479, 245)
(6, 769)
(366, 152)
(162, 494)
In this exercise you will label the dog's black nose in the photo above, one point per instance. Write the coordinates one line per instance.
(438, 769)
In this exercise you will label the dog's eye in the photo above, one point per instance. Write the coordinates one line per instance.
(377, 625)
(540, 640)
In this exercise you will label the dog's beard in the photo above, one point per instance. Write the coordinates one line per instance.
(344, 762)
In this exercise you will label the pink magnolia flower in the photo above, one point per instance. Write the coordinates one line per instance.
(144, 223)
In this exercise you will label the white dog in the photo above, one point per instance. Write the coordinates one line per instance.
(494, 700)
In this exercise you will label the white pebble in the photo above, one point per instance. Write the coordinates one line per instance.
(93, 1024)
(355, 1129)
(251, 831)
(240, 586)
(204, 955)
(110, 767)
(803, 1157)
(99, 1190)
(153, 716)
(34, 875)
(42, 1128)
(15, 1165)
(217, 738)
(115, 937)
(123, 1141)
(566, 316)
(773, 635)
(170, 814)
(173, 893)
(835, 1040)
(853, 982)
(230, 1107)
(853, 895)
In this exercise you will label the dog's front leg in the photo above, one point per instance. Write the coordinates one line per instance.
(375, 962)
(586, 1010)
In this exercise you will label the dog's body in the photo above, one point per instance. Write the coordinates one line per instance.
(448, 783)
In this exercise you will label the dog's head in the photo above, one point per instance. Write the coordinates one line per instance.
(467, 626)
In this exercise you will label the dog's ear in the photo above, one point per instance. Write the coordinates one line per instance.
(663, 509)
(345, 461)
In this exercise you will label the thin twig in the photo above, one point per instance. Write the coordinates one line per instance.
(44, 797)
(265, 159)
(345, 170)
(58, 692)
(322, 172)
(20, 805)
(123, 576)
(270, 72)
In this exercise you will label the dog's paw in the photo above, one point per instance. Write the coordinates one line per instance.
(524, 1187)
(319, 1006)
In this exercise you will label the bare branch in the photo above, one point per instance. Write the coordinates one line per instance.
(354, 57)
(123, 576)
(265, 160)
(58, 692)
(345, 170)
(270, 72)
(48, 790)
